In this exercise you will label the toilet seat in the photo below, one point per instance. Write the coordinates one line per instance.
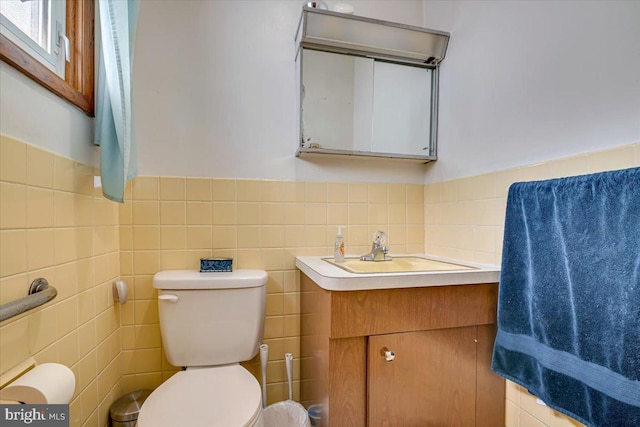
(219, 396)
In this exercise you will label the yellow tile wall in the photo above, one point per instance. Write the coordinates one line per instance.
(464, 219)
(53, 224)
(171, 222)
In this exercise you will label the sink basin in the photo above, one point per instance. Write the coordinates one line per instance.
(397, 265)
(404, 271)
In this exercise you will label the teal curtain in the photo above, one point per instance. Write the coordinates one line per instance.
(114, 124)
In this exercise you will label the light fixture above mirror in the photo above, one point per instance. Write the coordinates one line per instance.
(343, 33)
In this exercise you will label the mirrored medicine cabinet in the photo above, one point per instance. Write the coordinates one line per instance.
(367, 88)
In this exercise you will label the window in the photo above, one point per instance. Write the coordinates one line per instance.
(36, 26)
(51, 41)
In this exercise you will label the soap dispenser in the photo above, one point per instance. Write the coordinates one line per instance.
(338, 250)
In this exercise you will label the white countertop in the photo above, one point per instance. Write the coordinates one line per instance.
(333, 278)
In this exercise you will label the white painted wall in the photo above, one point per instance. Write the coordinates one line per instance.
(522, 82)
(214, 92)
(30, 113)
(527, 81)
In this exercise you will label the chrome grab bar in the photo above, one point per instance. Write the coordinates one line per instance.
(40, 292)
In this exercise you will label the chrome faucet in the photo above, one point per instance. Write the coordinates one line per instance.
(378, 250)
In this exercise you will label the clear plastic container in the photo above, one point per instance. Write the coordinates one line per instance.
(338, 253)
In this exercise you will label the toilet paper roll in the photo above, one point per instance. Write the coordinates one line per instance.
(49, 383)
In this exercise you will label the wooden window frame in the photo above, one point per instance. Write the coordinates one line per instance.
(78, 85)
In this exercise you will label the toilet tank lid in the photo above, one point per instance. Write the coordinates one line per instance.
(193, 279)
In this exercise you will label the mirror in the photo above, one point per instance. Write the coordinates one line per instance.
(365, 105)
(367, 87)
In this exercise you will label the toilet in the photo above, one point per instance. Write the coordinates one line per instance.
(209, 322)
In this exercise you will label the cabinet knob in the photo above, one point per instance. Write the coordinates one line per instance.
(388, 354)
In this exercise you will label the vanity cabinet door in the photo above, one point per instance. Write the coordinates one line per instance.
(431, 380)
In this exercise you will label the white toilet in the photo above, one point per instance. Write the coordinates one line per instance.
(210, 322)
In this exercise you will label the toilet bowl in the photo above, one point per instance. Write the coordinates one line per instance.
(220, 396)
(209, 323)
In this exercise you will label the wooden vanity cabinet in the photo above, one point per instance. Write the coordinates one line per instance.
(441, 339)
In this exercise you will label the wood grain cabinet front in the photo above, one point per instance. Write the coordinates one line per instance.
(367, 370)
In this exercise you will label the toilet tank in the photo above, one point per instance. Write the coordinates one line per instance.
(210, 319)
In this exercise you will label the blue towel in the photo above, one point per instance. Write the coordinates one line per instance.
(569, 298)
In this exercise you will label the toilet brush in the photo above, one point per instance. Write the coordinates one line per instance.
(288, 359)
(264, 358)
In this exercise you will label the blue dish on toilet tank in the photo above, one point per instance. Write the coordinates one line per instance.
(216, 265)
